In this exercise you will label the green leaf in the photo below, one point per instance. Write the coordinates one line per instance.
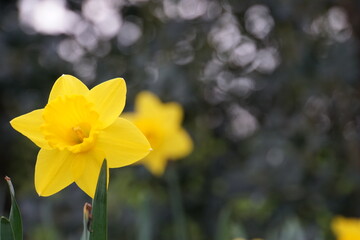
(15, 215)
(98, 229)
(86, 221)
(6, 232)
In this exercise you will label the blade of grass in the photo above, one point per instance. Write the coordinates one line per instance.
(15, 215)
(98, 229)
(6, 232)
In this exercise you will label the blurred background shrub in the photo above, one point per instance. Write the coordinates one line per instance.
(270, 90)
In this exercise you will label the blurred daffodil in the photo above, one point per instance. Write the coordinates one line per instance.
(346, 228)
(161, 124)
(76, 130)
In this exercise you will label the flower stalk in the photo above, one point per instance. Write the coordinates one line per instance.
(176, 204)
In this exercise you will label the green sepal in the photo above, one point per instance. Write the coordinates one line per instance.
(98, 229)
(6, 232)
(15, 215)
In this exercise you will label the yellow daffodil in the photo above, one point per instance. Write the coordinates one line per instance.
(161, 124)
(346, 228)
(76, 130)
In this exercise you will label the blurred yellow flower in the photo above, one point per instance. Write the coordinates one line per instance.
(346, 228)
(161, 124)
(76, 130)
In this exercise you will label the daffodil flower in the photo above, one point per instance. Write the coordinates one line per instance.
(161, 124)
(346, 228)
(76, 130)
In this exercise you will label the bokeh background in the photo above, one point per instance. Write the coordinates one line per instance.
(270, 90)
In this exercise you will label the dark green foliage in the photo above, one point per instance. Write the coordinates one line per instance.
(11, 229)
(6, 232)
(15, 214)
(98, 227)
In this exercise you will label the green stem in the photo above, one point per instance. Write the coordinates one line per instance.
(223, 229)
(176, 203)
(144, 218)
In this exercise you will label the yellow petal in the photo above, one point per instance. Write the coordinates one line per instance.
(174, 114)
(53, 171)
(147, 103)
(88, 179)
(30, 126)
(346, 228)
(78, 164)
(177, 145)
(109, 99)
(129, 116)
(67, 85)
(123, 143)
(156, 163)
